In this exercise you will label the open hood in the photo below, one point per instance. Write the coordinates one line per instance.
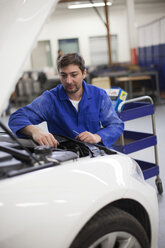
(20, 24)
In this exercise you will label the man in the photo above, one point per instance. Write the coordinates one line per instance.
(74, 109)
(59, 54)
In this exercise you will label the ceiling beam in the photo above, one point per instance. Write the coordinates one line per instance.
(108, 33)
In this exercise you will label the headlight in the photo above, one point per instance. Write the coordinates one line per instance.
(137, 172)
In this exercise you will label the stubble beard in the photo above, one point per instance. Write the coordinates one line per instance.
(72, 91)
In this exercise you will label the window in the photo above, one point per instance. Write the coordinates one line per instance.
(41, 55)
(99, 50)
(69, 45)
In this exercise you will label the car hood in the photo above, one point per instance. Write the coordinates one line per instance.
(20, 24)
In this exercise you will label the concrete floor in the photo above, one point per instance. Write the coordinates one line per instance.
(145, 125)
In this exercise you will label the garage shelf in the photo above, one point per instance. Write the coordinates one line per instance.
(132, 141)
(149, 169)
(135, 141)
(135, 110)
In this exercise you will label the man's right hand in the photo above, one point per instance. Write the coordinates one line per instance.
(39, 136)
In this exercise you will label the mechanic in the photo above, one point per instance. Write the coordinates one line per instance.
(74, 109)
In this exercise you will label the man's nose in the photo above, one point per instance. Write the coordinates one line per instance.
(69, 79)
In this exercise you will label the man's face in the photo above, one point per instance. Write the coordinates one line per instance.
(71, 78)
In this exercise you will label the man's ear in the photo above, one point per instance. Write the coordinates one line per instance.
(84, 73)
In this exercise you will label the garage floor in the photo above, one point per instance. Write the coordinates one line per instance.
(145, 125)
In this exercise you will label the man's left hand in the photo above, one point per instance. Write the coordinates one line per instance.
(89, 137)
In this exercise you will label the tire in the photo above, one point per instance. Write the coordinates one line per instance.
(112, 228)
(159, 185)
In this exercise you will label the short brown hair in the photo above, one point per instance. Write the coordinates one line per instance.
(71, 59)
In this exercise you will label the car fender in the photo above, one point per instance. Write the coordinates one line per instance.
(55, 203)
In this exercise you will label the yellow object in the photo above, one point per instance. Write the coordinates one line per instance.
(123, 95)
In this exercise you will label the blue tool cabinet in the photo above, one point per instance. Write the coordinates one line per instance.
(132, 141)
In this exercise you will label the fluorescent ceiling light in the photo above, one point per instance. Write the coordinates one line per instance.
(87, 5)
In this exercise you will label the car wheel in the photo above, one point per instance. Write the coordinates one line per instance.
(112, 228)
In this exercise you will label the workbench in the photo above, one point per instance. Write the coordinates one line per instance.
(129, 77)
(128, 82)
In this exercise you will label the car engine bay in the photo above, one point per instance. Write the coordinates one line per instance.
(19, 156)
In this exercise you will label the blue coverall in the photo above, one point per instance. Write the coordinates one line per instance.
(95, 114)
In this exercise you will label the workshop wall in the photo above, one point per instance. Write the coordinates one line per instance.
(85, 23)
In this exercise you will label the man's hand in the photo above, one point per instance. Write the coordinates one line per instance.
(89, 137)
(41, 137)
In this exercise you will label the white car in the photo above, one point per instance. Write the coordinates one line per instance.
(79, 195)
